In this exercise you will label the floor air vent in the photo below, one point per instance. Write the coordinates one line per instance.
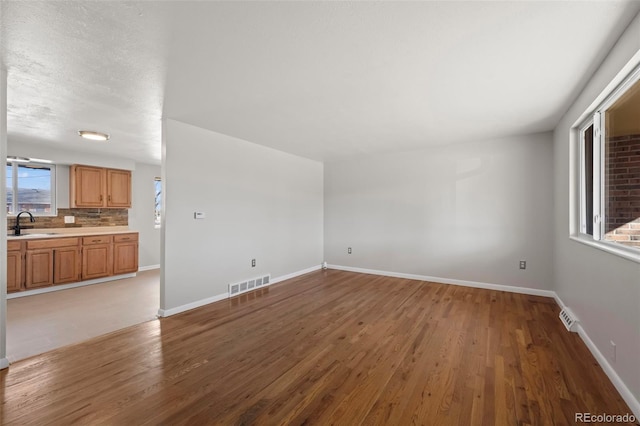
(234, 289)
(245, 286)
(568, 319)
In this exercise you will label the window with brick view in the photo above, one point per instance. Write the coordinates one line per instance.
(622, 169)
(587, 176)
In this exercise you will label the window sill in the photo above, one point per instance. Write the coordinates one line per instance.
(621, 251)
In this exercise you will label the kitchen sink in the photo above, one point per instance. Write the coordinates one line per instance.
(33, 235)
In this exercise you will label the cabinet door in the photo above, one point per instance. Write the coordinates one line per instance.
(39, 268)
(66, 265)
(14, 271)
(118, 188)
(97, 261)
(88, 186)
(125, 258)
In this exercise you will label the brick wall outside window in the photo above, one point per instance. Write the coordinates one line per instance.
(622, 184)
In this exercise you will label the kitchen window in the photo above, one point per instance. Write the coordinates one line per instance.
(30, 187)
(158, 201)
(610, 171)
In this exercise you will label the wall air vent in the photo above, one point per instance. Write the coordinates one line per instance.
(245, 286)
(568, 319)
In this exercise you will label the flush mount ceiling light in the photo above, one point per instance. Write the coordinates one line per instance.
(94, 136)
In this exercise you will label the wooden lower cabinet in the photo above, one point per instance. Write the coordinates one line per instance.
(37, 263)
(125, 253)
(66, 265)
(39, 268)
(96, 261)
(15, 268)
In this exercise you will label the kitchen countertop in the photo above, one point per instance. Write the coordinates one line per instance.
(39, 233)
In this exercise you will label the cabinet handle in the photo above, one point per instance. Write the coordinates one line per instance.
(109, 198)
(95, 241)
(100, 197)
(124, 239)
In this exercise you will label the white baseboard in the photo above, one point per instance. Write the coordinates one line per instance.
(187, 307)
(148, 268)
(295, 274)
(626, 394)
(619, 384)
(68, 286)
(198, 303)
(4, 363)
(476, 284)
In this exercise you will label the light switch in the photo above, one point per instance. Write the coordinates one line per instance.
(69, 219)
(198, 215)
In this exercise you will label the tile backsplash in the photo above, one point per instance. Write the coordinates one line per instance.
(83, 218)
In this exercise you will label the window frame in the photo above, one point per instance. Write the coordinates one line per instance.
(15, 165)
(583, 179)
(596, 116)
(157, 224)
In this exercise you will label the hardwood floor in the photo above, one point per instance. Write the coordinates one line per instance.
(330, 347)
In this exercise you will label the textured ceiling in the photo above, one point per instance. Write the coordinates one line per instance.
(324, 80)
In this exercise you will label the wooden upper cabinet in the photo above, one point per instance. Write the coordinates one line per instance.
(96, 187)
(87, 186)
(118, 188)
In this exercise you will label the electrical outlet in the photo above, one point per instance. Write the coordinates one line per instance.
(69, 219)
(253, 263)
(523, 264)
(349, 250)
(613, 350)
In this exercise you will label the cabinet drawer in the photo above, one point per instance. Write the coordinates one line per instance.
(51, 243)
(14, 245)
(96, 239)
(123, 238)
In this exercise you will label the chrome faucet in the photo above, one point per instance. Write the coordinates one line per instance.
(17, 227)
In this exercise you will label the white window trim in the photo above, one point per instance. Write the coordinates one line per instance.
(597, 117)
(598, 176)
(583, 182)
(54, 199)
(617, 249)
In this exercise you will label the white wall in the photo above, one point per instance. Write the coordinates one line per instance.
(259, 203)
(141, 214)
(603, 290)
(468, 212)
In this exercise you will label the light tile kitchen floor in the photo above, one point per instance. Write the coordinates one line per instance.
(40, 323)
